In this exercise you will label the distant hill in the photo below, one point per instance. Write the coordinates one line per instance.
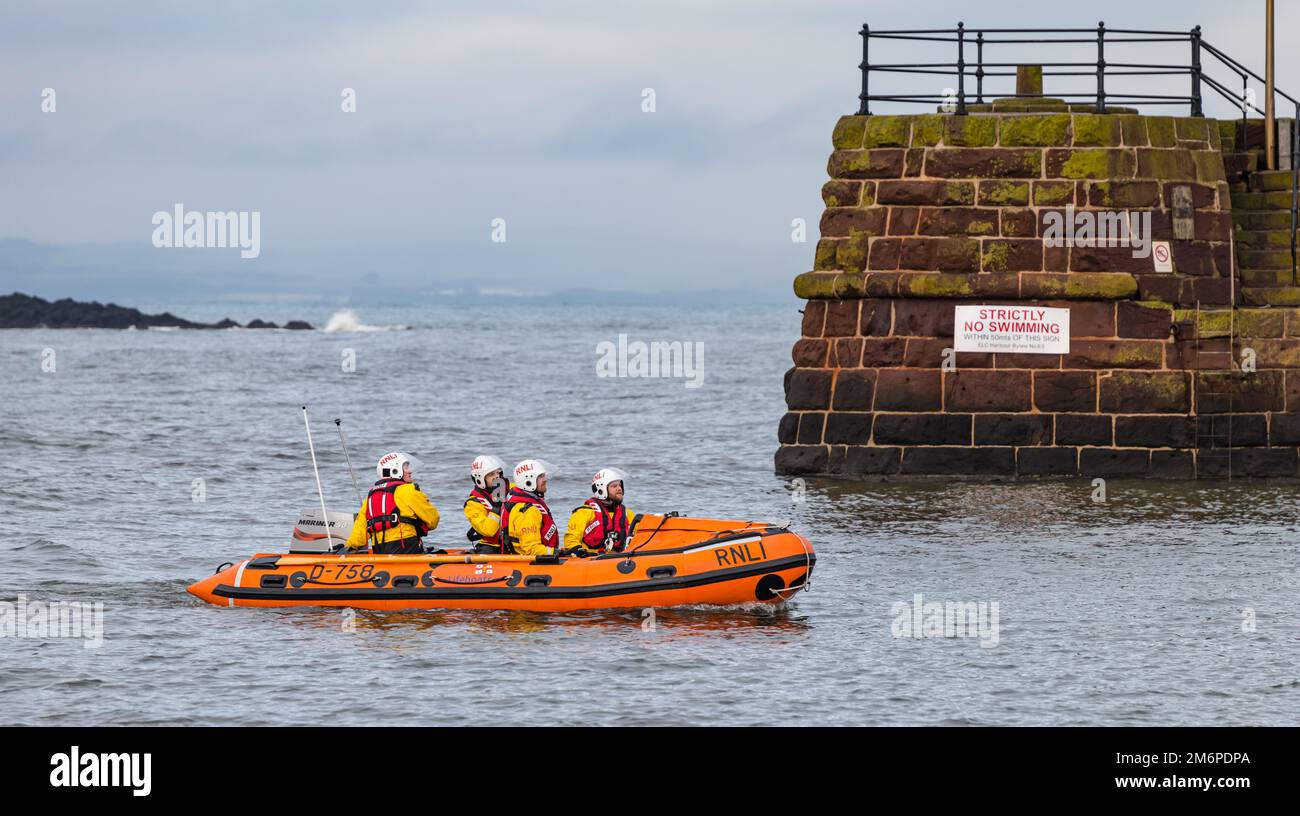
(19, 311)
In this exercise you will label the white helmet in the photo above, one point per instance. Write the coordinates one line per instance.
(603, 479)
(390, 464)
(483, 466)
(530, 471)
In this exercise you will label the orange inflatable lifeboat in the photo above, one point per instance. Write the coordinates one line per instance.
(670, 561)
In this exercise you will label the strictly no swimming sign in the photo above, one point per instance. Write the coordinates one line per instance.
(1012, 329)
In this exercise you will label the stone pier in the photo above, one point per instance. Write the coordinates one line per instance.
(1188, 373)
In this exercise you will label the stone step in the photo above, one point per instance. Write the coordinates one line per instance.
(1253, 276)
(1265, 258)
(1279, 239)
(1271, 180)
(1271, 296)
(1263, 220)
(1278, 200)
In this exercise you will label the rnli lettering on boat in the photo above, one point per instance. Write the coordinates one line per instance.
(742, 552)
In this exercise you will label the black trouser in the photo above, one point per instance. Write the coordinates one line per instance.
(407, 546)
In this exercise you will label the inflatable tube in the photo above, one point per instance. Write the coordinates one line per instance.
(671, 561)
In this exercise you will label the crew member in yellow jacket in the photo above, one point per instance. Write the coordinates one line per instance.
(527, 522)
(602, 523)
(483, 507)
(396, 513)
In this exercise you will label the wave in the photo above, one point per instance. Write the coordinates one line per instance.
(347, 321)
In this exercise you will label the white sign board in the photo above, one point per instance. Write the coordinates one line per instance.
(1012, 329)
(1162, 256)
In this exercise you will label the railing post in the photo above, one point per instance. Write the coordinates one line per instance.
(961, 69)
(1101, 67)
(864, 109)
(1295, 187)
(1196, 71)
(979, 67)
(1245, 96)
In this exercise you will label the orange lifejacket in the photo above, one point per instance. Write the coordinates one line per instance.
(610, 529)
(517, 497)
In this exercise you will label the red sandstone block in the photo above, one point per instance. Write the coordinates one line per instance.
(988, 162)
(883, 352)
(866, 164)
(923, 429)
(877, 317)
(842, 318)
(958, 221)
(1018, 223)
(842, 193)
(1145, 392)
(846, 353)
(884, 253)
(1069, 391)
(814, 316)
(854, 390)
(902, 220)
(1193, 258)
(1139, 320)
(908, 390)
(809, 353)
(929, 193)
(808, 389)
(923, 318)
(840, 222)
(1114, 354)
(982, 391)
(1043, 361)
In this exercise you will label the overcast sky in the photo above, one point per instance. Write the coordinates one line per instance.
(529, 112)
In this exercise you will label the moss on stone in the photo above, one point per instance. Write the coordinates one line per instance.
(1209, 324)
(1004, 193)
(830, 285)
(1043, 130)
(887, 131)
(1209, 166)
(852, 252)
(994, 257)
(826, 251)
(939, 285)
(927, 130)
(1085, 285)
(982, 228)
(1134, 130)
(1093, 130)
(1192, 127)
(970, 131)
(849, 131)
(1097, 164)
(1053, 193)
(959, 192)
(1261, 323)
(1160, 129)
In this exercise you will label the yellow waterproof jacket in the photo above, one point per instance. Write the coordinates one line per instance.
(412, 503)
(583, 518)
(526, 531)
(484, 521)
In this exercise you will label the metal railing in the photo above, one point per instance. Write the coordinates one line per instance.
(1099, 69)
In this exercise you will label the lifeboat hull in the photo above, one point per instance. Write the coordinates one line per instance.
(671, 561)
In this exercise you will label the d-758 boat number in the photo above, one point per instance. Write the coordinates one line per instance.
(342, 572)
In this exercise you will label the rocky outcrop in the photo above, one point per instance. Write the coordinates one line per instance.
(19, 311)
